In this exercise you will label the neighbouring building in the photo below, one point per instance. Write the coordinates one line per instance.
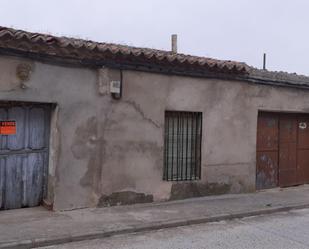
(87, 124)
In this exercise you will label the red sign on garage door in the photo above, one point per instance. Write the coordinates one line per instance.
(8, 127)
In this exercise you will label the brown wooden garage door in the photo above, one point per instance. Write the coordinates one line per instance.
(282, 150)
(23, 154)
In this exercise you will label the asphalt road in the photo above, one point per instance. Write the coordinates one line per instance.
(288, 230)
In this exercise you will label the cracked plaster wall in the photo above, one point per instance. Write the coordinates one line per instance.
(104, 149)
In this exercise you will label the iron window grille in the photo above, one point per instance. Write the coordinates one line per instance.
(182, 146)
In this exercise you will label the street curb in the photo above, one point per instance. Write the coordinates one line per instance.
(40, 242)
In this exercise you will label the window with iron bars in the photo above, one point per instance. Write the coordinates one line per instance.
(182, 146)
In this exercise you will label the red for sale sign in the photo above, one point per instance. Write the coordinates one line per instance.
(8, 127)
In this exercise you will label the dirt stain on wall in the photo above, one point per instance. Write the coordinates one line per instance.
(195, 189)
(124, 198)
(87, 146)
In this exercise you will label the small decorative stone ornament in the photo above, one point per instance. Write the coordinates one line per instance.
(23, 71)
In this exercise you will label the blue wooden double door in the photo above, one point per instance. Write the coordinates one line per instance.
(24, 155)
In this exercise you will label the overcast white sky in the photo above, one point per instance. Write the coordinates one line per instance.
(239, 30)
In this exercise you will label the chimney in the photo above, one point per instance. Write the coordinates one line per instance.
(174, 43)
(264, 61)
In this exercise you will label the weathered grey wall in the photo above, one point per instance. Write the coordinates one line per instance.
(74, 91)
(106, 151)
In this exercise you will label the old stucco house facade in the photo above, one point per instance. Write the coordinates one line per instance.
(86, 124)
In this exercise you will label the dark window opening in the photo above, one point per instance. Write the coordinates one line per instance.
(182, 146)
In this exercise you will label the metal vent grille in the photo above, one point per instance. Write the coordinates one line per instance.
(182, 146)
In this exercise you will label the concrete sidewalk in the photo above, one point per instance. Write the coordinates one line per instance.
(34, 227)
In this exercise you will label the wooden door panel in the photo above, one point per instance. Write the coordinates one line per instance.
(287, 164)
(267, 173)
(37, 128)
(303, 149)
(13, 191)
(287, 156)
(17, 141)
(33, 180)
(24, 156)
(2, 181)
(303, 166)
(303, 132)
(267, 134)
(267, 151)
(3, 139)
(291, 143)
(287, 150)
(287, 128)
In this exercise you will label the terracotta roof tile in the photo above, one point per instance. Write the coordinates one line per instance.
(44, 44)
(278, 77)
